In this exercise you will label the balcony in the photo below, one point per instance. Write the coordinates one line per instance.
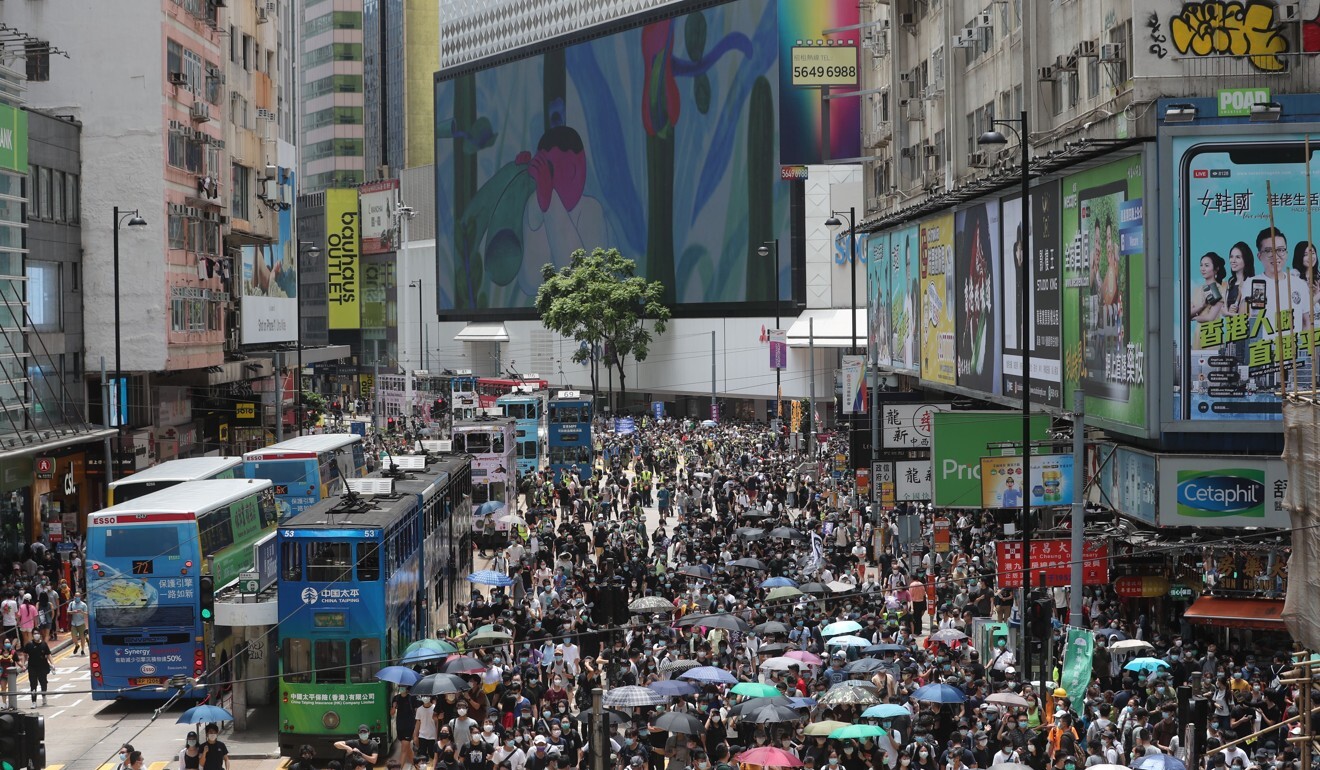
(1284, 73)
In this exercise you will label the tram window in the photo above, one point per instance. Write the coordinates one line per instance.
(328, 562)
(478, 443)
(497, 491)
(331, 662)
(497, 443)
(297, 661)
(291, 561)
(364, 656)
(460, 442)
(368, 563)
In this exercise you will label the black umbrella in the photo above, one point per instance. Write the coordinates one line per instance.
(865, 666)
(771, 713)
(716, 620)
(757, 513)
(440, 684)
(463, 664)
(813, 588)
(771, 627)
(702, 571)
(749, 533)
(750, 563)
(615, 717)
(787, 532)
(679, 722)
(772, 648)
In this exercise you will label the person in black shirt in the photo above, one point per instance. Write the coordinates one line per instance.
(36, 654)
(403, 707)
(363, 745)
(215, 755)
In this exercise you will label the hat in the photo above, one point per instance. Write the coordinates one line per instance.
(362, 728)
(635, 761)
(840, 655)
(539, 741)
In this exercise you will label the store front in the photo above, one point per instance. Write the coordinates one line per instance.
(15, 505)
(62, 496)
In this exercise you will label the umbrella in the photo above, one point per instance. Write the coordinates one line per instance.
(772, 648)
(1008, 699)
(842, 695)
(487, 508)
(847, 640)
(779, 582)
(1108, 767)
(858, 732)
(1159, 762)
(939, 693)
(489, 577)
(648, 604)
(814, 588)
(841, 627)
(1110, 633)
(948, 635)
(204, 713)
(702, 571)
(783, 592)
(757, 513)
(709, 675)
(462, 664)
(802, 703)
(865, 666)
(1129, 645)
(708, 423)
(750, 563)
(755, 690)
(787, 533)
(1011, 766)
(749, 533)
(480, 638)
(770, 627)
(770, 713)
(823, 728)
(716, 620)
(434, 645)
(615, 717)
(631, 696)
(440, 684)
(678, 665)
(804, 656)
(673, 688)
(401, 675)
(886, 711)
(751, 704)
(886, 647)
(768, 756)
(679, 722)
(838, 586)
(780, 664)
(422, 655)
(512, 519)
(1145, 664)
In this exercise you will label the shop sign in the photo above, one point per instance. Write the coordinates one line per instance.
(1141, 587)
(912, 480)
(1054, 558)
(1234, 491)
(909, 426)
(941, 535)
(245, 410)
(961, 439)
(863, 481)
(45, 467)
(887, 494)
(1180, 592)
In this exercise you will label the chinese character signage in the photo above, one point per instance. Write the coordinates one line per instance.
(1002, 485)
(341, 258)
(961, 440)
(1246, 297)
(938, 289)
(1228, 491)
(1054, 558)
(778, 348)
(908, 426)
(854, 384)
(976, 252)
(912, 480)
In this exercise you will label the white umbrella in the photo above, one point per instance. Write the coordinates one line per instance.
(838, 586)
(1130, 645)
(847, 640)
(781, 664)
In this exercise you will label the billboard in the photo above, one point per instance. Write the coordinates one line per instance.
(1127, 481)
(878, 313)
(976, 260)
(341, 258)
(854, 384)
(961, 440)
(909, 426)
(814, 129)
(1051, 482)
(938, 360)
(912, 480)
(659, 140)
(14, 138)
(905, 299)
(1228, 491)
(1104, 292)
(1051, 559)
(1045, 325)
(379, 200)
(269, 306)
(1235, 341)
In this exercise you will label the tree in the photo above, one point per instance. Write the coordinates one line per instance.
(598, 299)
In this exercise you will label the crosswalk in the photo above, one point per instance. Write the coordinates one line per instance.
(111, 766)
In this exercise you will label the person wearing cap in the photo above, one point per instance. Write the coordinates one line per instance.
(363, 745)
(540, 758)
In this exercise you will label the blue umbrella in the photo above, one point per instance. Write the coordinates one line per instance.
(672, 688)
(398, 675)
(1159, 762)
(886, 647)
(779, 582)
(886, 711)
(421, 655)
(204, 713)
(487, 508)
(801, 703)
(1145, 664)
(710, 674)
(489, 577)
(939, 693)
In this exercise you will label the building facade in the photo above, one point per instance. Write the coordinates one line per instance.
(331, 125)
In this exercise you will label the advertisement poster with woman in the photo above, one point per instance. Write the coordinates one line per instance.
(1104, 292)
(1045, 330)
(976, 256)
(878, 314)
(938, 290)
(1247, 293)
(905, 302)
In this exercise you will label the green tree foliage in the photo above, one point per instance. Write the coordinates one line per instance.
(600, 300)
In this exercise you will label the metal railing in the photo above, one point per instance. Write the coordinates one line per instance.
(1204, 75)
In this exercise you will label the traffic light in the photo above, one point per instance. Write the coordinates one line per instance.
(34, 740)
(11, 739)
(389, 425)
(206, 597)
(1040, 615)
(22, 741)
(437, 408)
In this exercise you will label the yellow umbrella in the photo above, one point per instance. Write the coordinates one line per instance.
(823, 728)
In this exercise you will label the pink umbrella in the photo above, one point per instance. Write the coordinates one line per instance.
(769, 756)
(804, 656)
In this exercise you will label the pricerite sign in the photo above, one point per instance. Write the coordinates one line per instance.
(1232, 491)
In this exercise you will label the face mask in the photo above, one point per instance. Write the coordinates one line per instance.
(192, 742)
(364, 736)
(556, 733)
(834, 760)
(924, 754)
(462, 712)
(211, 738)
(488, 728)
(426, 701)
(123, 755)
(907, 761)
(509, 744)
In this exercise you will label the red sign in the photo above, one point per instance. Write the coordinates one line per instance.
(1054, 558)
(45, 467)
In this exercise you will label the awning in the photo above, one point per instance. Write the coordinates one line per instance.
(830, 327)
(1266, 614)
(319, 355)
(479, 331)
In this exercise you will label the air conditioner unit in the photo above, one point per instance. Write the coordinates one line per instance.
(178, 79)
(909, 89)
(1065, 63)
(932, 91)
(1111, 52)
(982, 20)
(977, 160)
(904, 77)
(263, 15)
(907, 19)
(907, 152)
(201, 111)
(928, 150)
(881, 46)
(963, 40)
(914, 111)
(1046, 73)
(1087, 49)
(270, 7)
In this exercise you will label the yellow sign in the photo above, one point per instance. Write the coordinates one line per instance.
(367, 385)
(887, 494)
(245, 410)
(343, 248)
(815, 66)
(224, 433)
(937, 301)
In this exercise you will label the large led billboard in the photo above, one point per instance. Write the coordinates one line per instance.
(976, 258)
(661, 140)
(1046, 321)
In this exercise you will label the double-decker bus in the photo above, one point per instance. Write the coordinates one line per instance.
(489, 389)
(172, 472)
(356, 587)
(528, 412)
(307, 468)
(494, 489)
(145, 559)
(569, 421)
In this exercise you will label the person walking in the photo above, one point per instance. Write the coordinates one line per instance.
(190, 756)
(78, 623)
(36, 658)
(27, 618)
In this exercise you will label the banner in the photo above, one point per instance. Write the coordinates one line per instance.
(1228, 491)
(912, 480)
(909, 426)
(269, 305)
(938, 355)
(976, 255)
(1128, 481)
(1235, 339)
(778, 348)
(854, 384)
(1045, 328)
(379, 201)
(1054, 558)
(1104, 295)
(961, 439)
(1076, 675)
(342, 251)
(905, 300)
(1051, 481)
(879, 314)
(13, 139)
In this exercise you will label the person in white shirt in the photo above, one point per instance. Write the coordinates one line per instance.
(425, 731)
(9, 617)
(509, 751)
(572, 653)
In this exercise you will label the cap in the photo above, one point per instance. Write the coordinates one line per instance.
(363, 727)
(539, 740)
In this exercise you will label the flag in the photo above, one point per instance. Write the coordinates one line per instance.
(1077, 663)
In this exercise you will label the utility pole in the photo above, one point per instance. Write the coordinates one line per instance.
(1078, 511)
(714, 410)
(811, 405)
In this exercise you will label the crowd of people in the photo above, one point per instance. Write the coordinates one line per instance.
(38, 604)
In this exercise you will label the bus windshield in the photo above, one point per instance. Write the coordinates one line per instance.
(283, 472)
(152, 542)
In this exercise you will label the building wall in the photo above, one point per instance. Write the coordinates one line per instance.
(312, 276)
(331, 96)
(421, 47)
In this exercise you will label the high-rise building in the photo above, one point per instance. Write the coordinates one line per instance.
(401, 54)
(331, 118)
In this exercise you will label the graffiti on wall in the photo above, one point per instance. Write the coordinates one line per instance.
(1253, 29)
(1157, 36)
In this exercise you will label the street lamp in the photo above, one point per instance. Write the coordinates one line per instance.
(421, 327)
(993, 137)
(311, 249)
(122, 219)
(764, 251)
(834, 224)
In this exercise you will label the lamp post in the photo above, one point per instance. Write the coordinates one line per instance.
(311, 249)
(131, 219)
(421, 328)
(993, 137)
(834, 224)
(764, 251)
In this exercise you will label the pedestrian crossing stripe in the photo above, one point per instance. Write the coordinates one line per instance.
(162, 765)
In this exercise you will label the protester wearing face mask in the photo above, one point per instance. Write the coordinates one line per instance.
(362, 746)
(403, 709)
(509, 753)
(425, 729)
(190, 756)
(8, 665)
(460, 727)
(215, 754)
(306, 759)
(124, 752)
(36, 657)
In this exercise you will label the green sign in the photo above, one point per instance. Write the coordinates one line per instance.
(961, 439)
(1237, 102)
(1077, 663)
(1180, 592)
(13, 139)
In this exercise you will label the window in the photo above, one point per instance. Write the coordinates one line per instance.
(46, 208)
(1118, 71)
(37, 54)
(238, 200)
(173, 57)
(291, 561)
(178, 227)
(43, 295)
(57, 196)
(331, 662)
(195, 72)
(34, 193)
(328, 562)
(1093, 76)
(368, 563)
(216, 531)
(296, 661)
(364, 657)
(72, 185)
